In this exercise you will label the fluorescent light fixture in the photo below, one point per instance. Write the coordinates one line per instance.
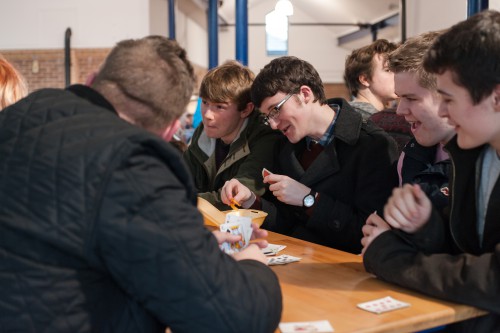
(284, 7)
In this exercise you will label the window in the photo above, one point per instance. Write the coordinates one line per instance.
(276, 34)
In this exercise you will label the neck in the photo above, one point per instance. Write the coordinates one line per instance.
(367, 97)
(323, 117)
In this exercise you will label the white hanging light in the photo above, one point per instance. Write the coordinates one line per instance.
(284, 7)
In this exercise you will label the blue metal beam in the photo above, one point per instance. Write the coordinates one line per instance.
(242, 31)
(213, 38)
(476, 6)
(171, 19)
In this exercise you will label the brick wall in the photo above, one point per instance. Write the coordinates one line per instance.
(336, 90)
(45, 68)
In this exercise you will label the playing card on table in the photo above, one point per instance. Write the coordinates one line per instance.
(382, 305)
(321, 326)
(237, 225)
(282, 260)
(272, 249)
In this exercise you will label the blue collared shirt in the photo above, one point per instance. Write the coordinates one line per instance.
(329, 134)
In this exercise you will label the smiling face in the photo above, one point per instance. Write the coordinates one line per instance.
(420, 108)
(475, 124)
(222, 120)
(292, 119)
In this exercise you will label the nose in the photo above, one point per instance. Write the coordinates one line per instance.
(273, 123)
(443, 110)
(402, 108)
(207, 112)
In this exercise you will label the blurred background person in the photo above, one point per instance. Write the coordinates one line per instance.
(370, 82)
(13, 86)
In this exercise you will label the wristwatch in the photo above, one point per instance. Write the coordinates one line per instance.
(309, 199)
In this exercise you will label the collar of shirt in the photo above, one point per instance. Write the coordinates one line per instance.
(329, 134)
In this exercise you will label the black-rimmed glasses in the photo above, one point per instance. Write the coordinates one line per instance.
(275, 111)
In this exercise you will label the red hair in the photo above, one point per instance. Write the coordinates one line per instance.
(12, 85)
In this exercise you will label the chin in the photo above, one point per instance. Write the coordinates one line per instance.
(464, 143)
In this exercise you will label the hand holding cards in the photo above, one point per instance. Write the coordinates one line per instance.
(266, 173)
(237, 225)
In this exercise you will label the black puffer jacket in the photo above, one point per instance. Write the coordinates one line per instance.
(99, 231)
(419, 167)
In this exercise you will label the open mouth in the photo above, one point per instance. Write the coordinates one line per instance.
(414, 125)
(285, 130)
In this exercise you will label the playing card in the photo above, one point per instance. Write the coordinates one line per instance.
(272, 249)
(382, 305)
(282, 260)
(265, 172)
(237, 225)
(321, 326)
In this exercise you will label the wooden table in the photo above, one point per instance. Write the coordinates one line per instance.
(327, 284)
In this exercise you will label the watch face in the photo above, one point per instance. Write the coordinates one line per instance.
(309, 200)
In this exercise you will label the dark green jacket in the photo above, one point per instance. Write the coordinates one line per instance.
(249, 153)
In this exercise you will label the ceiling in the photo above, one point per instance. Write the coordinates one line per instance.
(330, 13)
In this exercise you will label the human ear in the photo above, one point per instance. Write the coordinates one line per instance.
(170, 130)
(364, 80)
(306, 93)
(248, 110)
(496, 97)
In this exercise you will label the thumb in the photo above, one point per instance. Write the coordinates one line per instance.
(419, 194)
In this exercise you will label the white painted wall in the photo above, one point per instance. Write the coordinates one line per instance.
(40, 24)
(316, 45)
(428, 15)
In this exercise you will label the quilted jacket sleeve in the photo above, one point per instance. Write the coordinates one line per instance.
(152, 240)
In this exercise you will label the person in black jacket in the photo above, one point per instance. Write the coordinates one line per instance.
(456, 259)
(423, 161)
(99, 230)
(332, 170)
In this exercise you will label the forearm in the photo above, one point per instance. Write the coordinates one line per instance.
(462, 278)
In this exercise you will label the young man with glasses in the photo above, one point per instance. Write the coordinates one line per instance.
(334, 169)
(232, 141)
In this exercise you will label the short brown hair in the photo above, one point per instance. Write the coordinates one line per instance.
(409, 57)
(230, 81)
(360, 62)
(153, 71)
(287, 74)
(12, 85)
